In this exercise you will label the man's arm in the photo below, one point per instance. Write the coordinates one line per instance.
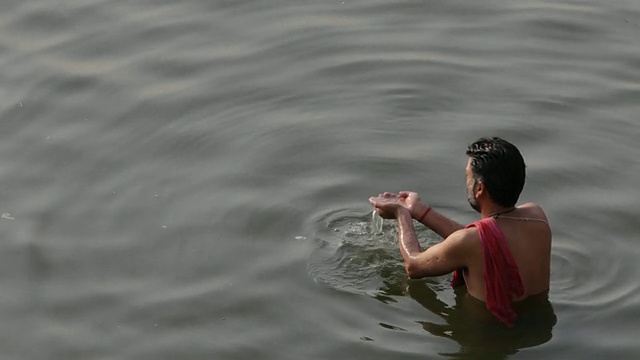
(439, 259)
(434, 220)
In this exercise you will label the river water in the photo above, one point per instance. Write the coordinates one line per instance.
(189, 179)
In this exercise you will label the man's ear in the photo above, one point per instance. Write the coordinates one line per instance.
(480, 189)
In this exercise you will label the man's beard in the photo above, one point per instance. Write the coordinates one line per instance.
(471, 198)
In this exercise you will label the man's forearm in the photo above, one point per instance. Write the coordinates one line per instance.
(407, 241)
(440, 224)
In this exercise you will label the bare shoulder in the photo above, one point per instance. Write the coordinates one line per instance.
(465, 245)
(530, 205)
(463, 239)
(464, 234)
(454, 252)
(532, 210)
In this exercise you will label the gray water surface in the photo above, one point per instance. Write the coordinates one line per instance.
(189, 179)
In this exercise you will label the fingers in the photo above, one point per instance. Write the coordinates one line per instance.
(378, 200)
(406, 194)
(386, 197)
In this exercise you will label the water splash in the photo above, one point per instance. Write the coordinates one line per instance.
(376, 223)
(359, 253)
(7, 216)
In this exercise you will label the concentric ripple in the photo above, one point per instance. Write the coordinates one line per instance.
(353, 254)
(592, 275)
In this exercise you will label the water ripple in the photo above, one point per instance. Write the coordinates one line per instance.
(591, 274)
(352, 256)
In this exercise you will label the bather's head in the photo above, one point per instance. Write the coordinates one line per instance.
(499, 165)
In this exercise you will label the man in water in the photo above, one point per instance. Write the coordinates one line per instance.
(502, 258)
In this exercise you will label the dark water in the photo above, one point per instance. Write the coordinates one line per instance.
(189, 179)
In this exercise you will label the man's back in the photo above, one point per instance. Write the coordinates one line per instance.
(528, 237)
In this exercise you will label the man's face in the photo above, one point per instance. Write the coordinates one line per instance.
(471, 187)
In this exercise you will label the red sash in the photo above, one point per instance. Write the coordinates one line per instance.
(502, 281)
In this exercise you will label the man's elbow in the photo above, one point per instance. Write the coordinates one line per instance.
(417, 269)
(413, 271)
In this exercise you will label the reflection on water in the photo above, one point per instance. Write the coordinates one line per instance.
(351, 257)
(479, 334)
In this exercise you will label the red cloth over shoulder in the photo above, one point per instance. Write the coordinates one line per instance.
(502, 281)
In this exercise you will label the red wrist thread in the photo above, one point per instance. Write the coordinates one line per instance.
(421, 218)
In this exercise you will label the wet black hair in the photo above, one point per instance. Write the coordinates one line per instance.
(500, 166)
